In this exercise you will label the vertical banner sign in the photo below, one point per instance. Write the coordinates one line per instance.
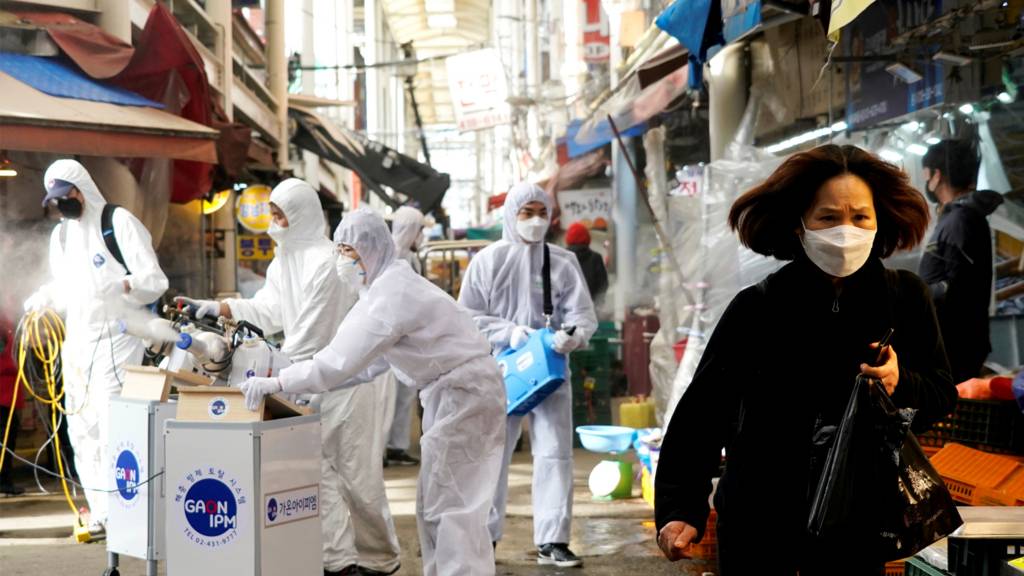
(591, 207)
(596, 33)
(479, 90)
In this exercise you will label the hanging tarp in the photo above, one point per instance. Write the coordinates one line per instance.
(97, 53)
(697, 25)
(844, 12)
(376, 165)
(54, 77)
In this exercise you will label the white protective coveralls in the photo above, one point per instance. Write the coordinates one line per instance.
(432, 344)
(95, 353)
(503, 289)
(406, 228)
(304, 297)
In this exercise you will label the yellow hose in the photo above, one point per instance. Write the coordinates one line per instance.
(43, 335)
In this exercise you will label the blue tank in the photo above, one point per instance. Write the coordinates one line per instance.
(531, 373)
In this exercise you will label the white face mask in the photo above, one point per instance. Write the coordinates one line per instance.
(278, 233)
(839, 251)
(350, 272)
(532, 230)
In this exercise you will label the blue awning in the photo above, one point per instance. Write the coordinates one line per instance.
(56, 78)
(600, 136)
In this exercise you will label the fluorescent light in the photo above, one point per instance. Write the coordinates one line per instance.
(911, 126)
(447, 6)
(8, 172)
(933, 141)
(890, 155)
(1005, 98)
(442, 21)
(967, 109)
(798, 140)
(951, 58)
(917, 149)
(905, 73)
(840, 126)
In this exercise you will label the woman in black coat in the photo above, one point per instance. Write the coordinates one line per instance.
(787, 352)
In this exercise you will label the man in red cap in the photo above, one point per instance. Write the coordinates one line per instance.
(577, 239)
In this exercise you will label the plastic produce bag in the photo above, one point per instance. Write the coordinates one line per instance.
(877, 490)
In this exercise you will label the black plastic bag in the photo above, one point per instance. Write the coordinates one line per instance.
(877, 490)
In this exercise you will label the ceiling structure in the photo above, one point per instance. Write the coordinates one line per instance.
(429, 26)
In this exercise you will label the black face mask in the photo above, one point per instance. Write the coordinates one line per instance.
(69, 208)
(930, 193)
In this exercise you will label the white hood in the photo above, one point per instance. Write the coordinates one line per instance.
(520, 195)
(406, 227)
(366, 231)
(301, 205)
(72, 171)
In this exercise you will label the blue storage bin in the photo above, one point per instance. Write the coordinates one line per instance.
(531, 373)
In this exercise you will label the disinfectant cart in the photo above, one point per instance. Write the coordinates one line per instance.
(243, 492)
(135, 526)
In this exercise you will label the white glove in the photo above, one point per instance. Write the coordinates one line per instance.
(37, 302)
(256, 388)
(520, 336)
(203, 308)
(563, 343)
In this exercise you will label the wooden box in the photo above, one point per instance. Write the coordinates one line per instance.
(227, 404)
(149, 383)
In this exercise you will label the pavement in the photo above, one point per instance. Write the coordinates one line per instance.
(614, 538)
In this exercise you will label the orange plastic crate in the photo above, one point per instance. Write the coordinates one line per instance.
(708, 547)
(980, 479)
(895, 568)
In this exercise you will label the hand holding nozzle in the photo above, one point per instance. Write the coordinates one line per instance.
(199, 309)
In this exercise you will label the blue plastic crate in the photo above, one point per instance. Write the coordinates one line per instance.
(531, 373)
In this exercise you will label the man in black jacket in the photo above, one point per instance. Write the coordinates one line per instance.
(957, 263)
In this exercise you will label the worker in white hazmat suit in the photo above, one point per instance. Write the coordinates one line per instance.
(91, 285)
(406, 229)
(405, 323)
(503, 289)
(305, 298)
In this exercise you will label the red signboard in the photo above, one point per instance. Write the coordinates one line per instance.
(596, 33)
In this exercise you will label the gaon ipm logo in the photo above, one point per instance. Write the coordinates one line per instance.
(210, 501)
(272, 509)
(218, 407)
(129, 473)
(126, 474)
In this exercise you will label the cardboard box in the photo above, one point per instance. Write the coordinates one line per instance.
(149, 383)
(227, 404)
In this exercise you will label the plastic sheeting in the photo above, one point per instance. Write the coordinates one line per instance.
(713, 264)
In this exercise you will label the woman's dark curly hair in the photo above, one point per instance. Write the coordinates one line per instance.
(767, 216)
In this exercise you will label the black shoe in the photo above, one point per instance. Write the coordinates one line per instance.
(558, 555)
(351, 570)
(11, 490)
(401, 458)
(370, 572)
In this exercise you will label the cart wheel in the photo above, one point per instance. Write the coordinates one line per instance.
(111, 572)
